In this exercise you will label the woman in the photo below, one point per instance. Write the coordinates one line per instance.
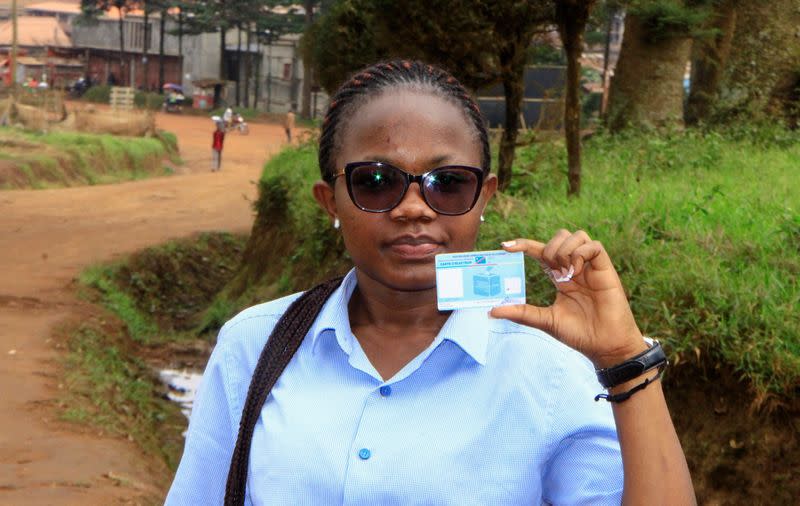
(386, 400)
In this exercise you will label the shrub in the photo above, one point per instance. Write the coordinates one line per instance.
(100, 94)
(702, 226)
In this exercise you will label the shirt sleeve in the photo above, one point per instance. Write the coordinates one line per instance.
(585, 466)
(203, 470)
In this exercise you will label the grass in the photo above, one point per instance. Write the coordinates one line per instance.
(154, 297)
(703, 226)
(57, 159)
(111, 389)
(139, 326)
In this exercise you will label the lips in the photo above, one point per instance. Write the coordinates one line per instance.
(415, 247)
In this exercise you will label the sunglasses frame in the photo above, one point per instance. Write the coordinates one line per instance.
(409, 178)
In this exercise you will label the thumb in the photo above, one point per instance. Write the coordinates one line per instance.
(525, 314)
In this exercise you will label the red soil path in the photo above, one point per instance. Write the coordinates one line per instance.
(46, 238)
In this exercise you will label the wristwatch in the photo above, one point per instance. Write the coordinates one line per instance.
(651, 358)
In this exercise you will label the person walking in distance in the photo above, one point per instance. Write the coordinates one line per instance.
(216, 146)
(288, 124)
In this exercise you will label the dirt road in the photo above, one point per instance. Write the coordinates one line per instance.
(46, 238)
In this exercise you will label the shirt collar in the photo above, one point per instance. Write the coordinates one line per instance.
(333, 315)
(467, 328)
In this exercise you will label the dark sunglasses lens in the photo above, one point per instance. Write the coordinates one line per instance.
(451, 190)
(377, 187)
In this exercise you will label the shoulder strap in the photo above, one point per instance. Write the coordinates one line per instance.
(281, 346)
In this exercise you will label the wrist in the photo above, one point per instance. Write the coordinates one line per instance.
(650, 359)
(633, 346)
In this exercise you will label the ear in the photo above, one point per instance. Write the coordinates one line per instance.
(325, 197)
(488, 190)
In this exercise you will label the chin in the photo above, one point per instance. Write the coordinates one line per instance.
(406, 278)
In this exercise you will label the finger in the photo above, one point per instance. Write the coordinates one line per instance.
(592, 253)
(525, 314)
(572, 242)
(528, 246)
(550, 250)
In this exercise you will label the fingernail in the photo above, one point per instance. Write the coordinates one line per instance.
(565, 274)
(508, 244)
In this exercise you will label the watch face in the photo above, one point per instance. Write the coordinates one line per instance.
(650, 341)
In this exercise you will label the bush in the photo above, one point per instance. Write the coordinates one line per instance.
(100, 94)
(148, 100)
(703, 227)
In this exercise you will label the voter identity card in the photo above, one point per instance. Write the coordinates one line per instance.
(479, 279)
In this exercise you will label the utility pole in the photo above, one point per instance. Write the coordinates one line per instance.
(13, 67)
(269, 72)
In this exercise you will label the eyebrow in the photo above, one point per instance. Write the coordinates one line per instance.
(431, 162)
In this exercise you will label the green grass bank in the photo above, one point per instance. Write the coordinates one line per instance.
(59, 159)
(156, 302)
(704, 228)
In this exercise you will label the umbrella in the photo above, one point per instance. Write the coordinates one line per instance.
(173, 87)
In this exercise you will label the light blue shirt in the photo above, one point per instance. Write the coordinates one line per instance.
(491, 413)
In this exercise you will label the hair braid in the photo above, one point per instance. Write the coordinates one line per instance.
(372, 81)
(281, 346)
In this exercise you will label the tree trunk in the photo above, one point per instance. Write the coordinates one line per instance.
(161, 30)
(514, 90)
(572, 17)
(763, 66)
(647, 89)
(257, 83)
(238, 61)
(121, 48)
(709, 59)
(145, 47)
(222, 67)
(247, 68)
(305, 110)
(180, 47)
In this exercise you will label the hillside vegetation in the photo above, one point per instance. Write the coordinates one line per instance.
(57, 159)
(704, 228)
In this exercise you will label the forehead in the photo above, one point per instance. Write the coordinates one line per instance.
(409, 127)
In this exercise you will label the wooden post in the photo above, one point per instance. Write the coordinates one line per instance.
(13, 66)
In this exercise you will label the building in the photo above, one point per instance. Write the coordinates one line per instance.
(45, 51)
(54, 28)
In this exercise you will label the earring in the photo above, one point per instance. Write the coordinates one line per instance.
(336, 223)
(482, 220)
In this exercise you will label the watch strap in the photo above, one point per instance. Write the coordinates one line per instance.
(651, 358)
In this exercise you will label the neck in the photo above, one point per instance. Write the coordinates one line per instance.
(403, 313)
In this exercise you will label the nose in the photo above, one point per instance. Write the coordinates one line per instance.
(413, 206)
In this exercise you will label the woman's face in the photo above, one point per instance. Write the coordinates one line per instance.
(417, 132)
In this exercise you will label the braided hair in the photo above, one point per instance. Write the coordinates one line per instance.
(291, 329)
(372, 81)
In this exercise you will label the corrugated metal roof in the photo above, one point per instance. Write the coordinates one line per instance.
(35, 31)
(62, 7)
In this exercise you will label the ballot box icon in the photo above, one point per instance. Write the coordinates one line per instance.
(486, 284)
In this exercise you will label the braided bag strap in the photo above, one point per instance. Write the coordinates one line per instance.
(281, 346)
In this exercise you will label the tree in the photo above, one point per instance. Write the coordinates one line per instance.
(211, 16)
(647, 87)
(480, 43)
(93, 9)
(709, 59)
(341, 41)
(762, 73)
(571, 16)
(305, 112)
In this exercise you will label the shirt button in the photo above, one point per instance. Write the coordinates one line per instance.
(386, 391)
(364, 454)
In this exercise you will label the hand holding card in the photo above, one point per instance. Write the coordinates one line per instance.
(591, 312)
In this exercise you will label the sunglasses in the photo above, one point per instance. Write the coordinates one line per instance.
(378, 187)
